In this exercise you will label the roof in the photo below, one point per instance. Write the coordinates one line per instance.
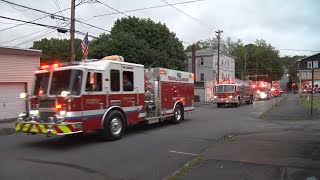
(207, 52)
(20, 51)
(312, 57)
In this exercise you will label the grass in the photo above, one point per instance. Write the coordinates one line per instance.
(306, 102)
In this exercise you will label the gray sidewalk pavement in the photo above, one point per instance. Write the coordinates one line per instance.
(7, 127)
(291, 153)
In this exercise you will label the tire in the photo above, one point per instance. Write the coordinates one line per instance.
(178, 114)
(251, 100)
(219, 105)
(113, 126)
(248, 102)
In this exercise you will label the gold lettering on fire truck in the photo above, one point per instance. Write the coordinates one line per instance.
(177, 79)
(92, 101)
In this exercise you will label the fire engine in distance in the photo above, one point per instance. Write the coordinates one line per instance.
(233, 92)
(104, 95)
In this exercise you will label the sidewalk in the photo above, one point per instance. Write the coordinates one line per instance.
(7, 127)
(286, 154)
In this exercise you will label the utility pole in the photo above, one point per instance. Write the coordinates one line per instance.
(72, 29)
(312, 88)
(245, 66)
(194, 61)
(218, 37)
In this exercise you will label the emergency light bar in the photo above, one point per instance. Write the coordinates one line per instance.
(55, 65)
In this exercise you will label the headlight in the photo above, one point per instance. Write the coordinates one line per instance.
(263, 95)
(230, 96)
(215, 97)
(65, 93)
(23, 95)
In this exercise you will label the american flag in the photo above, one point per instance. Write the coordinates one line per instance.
(85, 46)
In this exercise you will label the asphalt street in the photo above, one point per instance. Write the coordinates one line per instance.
(145, 152)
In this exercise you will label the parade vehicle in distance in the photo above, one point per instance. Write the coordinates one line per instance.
(233, 92)
(262, 90)
(104, 95)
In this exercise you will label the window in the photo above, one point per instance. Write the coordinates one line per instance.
(66, 80)
(201, 61)
(315, 64)
(127, 80)
(309, 75)
(202, 77)
(96, 84)
(114, 80)
(309, 64)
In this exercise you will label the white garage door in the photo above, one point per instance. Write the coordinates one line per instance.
(10, 103)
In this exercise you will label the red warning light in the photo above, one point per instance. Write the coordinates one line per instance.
(55, 65)
(41, 92)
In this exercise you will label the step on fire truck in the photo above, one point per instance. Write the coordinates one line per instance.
(104, 95)
(233, 92)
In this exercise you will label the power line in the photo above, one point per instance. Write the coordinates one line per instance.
(195, 19)
(141, 9)
(58, 6)
(298, 50)
(37, 37)
(51, 15)
(22, 36)
(111, 8)
(44, 25)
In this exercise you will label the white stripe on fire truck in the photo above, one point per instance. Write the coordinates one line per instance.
(98, 113)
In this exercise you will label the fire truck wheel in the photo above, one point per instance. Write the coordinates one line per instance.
(178, 114)
(219, 105)
(251, 100)
(113, 126)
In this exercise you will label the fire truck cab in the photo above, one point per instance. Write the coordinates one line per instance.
(104, 95)
(234, 93)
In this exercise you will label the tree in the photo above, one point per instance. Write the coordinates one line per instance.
(56, 50)
(141, 41)
(290, 62)
(262, 59)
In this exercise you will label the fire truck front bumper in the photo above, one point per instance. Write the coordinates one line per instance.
(226, 100)
(49, 128)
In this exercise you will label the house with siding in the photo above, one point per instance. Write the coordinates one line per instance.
(207, 68)
(16, 75)
(305, 65)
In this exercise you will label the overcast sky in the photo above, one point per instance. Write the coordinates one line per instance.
(285, 24)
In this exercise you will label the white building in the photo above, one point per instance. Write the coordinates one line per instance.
(16, 75)
(207, 68)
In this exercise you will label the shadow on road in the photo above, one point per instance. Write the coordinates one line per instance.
(79, 140)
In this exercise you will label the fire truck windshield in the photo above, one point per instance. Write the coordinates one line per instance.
(225, 88)
(41, 83)
(66, 80)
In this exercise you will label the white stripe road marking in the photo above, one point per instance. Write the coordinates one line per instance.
(178, 152)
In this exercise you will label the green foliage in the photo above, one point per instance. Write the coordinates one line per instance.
(141, 41)
(260, 57)
(56, 50)
(290, 62)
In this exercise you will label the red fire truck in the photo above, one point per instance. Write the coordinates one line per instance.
(262, 90)
(104, 95)
(234, 93)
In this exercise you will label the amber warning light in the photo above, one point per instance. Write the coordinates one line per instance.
(55, 65)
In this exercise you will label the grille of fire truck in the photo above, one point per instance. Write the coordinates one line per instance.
(45, 115)
(47, 103)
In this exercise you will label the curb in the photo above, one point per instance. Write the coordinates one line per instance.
(272, 107)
